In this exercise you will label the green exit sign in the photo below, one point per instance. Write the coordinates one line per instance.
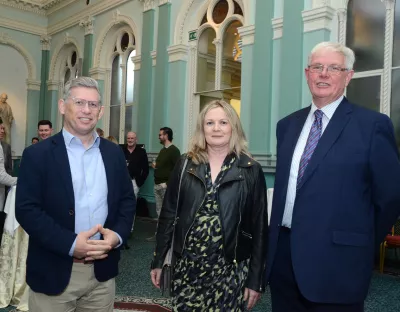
(192, 35)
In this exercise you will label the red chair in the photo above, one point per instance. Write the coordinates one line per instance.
(391, 241)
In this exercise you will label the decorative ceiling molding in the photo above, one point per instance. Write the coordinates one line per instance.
(41, 7)
(21, 26)
(93, 11)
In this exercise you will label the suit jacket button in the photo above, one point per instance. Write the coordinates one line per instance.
(71, 212)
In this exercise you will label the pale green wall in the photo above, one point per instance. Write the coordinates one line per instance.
(31, 44)
(23, 16)
(278, 8)
(32, 113)
(88, 55)
(100, 83)
(71, 10)
(276, 85)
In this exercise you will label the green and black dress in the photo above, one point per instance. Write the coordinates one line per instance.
(203, 280)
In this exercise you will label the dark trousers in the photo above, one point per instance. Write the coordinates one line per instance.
(2, 219)
(285, 293)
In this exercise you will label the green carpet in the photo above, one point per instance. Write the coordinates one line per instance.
(134, 279)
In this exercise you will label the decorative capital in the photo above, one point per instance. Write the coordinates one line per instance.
(321, 3)
(389, 4)
(148, 5)
(318, 18)
(33, 84)
(116, 17)
(67, 38)
(97, 73)
(277, 26)
(4, 37)
(45, 41)
(178, 52)
(247, 34)
(88, 23)
(154, 57)
(161, 2)
(53, 85)
(137, 60)
(217, 42)
(342, 14)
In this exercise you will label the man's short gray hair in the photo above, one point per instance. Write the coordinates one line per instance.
(335, 47)
(83, 82)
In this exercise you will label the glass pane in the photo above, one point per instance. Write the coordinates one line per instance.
(114, 121)
(128, 119)
(231, 96)
(396, 36)
(206, 61)
(232, 57)
(395, 105)
(130, 78)
(116, 75)
(73, 59)
(366, 33)
(238, 9)
(67, 75)
(365, 92)
(124, 42)
(220, 11)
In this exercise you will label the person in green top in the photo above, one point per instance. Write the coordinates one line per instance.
(163, 166)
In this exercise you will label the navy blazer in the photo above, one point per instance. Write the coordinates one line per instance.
(45, 209)
(347, 202)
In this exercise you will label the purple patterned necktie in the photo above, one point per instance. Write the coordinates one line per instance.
(312, 141)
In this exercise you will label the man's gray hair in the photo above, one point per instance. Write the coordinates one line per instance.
(83, 82)
(335, 47)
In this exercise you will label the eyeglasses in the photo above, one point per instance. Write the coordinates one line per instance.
(332, 69)
(81, 103)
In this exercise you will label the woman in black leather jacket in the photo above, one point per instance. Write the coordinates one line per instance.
(221, 223)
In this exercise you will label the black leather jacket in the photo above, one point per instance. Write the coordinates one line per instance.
(242, 200)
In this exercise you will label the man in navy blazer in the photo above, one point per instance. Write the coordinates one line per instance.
(336, 194)
(75, 200)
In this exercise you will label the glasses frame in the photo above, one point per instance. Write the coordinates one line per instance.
(86, 103)
(330, 69)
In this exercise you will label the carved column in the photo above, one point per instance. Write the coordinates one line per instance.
(342, 19)
(218, 62)
(88, 24)
(387, 63)
(44, 106)
(123, 104)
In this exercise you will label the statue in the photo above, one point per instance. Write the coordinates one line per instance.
(7, 116)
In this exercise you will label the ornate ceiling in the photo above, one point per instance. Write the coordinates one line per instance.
(36, 6)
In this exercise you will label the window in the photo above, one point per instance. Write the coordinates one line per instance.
(219, 61)
(122, 85)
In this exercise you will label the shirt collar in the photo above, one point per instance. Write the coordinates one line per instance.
(329, 109)
(69, 138)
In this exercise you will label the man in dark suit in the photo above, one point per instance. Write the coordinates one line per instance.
(75, 200)
(336, 193)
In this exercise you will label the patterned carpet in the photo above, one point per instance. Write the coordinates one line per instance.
(136, 293)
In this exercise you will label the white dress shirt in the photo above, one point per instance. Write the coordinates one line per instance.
(328, 111)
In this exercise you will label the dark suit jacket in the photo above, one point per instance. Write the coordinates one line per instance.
(7, 157)
(45, 209)
(348, 200)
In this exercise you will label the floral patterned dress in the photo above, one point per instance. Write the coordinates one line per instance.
(203, 280)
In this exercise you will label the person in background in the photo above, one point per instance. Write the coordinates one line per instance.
(35, 140)
(336, 193)
(112, 139)
(75, 201)
(45, 129)
(100, 132)
(163, 166)
(221, 226)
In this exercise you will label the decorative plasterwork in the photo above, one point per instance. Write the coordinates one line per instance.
(153, 57)
(117, 19)
(33, 84)
(320, 3)
(318, 18)
(137, 60)
(94, 10)
(178, 52)
(161, 2)
(21, 26)
(247, 34)
(97, 73)
(87, 23)
(53, 85)
(342, 16)
(30, 62)
(42, 7)
(182, 18)
(148, 5)
(277, 26)
(45, 41)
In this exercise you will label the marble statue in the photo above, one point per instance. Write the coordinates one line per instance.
(7, 116)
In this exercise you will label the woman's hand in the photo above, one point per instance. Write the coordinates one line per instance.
(155, 277)
(251, 296)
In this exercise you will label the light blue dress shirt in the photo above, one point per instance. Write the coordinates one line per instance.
(328, 111)
(89, 181)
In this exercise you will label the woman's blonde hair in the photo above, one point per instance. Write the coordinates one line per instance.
(112, 139)
(237, 144)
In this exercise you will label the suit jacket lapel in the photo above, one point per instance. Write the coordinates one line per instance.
(335, 127)
(108, 166)
(61, 158)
